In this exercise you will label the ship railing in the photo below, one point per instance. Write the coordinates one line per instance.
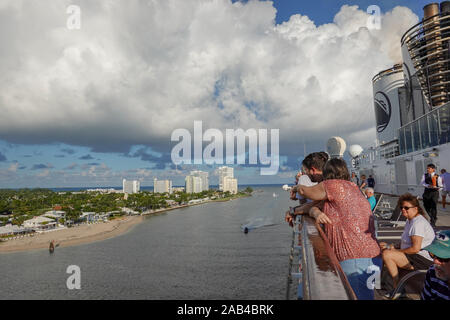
(427, 131)
(418, 30)
(314, 266)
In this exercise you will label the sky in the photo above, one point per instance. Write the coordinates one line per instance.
(88, 107)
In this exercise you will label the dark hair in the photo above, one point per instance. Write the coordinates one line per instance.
(316, 160)
(430, 165)
(408, 197)
(336, 169)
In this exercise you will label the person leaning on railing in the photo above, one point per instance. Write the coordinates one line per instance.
(417, 234)
(312, 167)
(349, 226)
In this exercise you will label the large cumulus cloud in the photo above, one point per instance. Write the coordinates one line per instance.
(139, 69)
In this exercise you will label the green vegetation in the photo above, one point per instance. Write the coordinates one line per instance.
(24, 204)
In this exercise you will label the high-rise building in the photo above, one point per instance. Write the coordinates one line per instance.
(224, 172)
(131, 186)
(204, 176)
(162, 186)
(193, 184)
(230, 184)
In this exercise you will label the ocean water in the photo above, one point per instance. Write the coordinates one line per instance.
(199, 252)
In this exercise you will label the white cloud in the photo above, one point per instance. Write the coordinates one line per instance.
(139, 69)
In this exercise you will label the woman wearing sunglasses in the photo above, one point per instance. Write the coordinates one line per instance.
(417, 234)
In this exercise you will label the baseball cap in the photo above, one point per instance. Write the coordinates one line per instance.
(440, 246)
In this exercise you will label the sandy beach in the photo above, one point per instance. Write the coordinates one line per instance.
(86, 233)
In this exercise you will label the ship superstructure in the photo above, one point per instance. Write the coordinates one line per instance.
(412, 108)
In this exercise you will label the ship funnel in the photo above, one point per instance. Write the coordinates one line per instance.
(425, 50)
(433, 61)
(430, 10)
(445, 7)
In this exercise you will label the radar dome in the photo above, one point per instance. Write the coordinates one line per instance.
(355, 150)
(336, 147)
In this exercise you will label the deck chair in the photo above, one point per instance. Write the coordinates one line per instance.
(412, 282)
(383, 209)
(396, 219)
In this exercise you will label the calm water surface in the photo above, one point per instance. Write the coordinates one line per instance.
(193, 253)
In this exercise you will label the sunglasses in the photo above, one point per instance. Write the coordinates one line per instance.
(441, 260)
(406, 208)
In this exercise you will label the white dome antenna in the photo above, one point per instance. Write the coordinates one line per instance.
(336, 147)
(355, 150)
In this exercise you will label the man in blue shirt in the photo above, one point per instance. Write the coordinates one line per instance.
(437, 280)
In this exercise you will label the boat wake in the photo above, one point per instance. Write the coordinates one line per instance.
(258, 222)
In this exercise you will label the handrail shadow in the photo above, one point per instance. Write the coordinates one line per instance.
(321, 276)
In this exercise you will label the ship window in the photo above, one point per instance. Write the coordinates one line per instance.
(444, 122)
(425, 132)
(408, 138)
(416, 136)
(401, 140)
(434, 129)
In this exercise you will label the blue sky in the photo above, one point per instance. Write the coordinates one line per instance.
(84, 156)
(323, 11)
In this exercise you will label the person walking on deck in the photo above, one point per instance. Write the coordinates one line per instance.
(371, 182)
(354, 179)
(445, 177)
(432, 182)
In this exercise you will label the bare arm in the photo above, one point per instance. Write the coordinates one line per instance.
(319, 215)
(304, 209)
(415, 248)
(416, 245)
(316, 192)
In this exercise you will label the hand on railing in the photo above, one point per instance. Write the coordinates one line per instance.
(289, 218)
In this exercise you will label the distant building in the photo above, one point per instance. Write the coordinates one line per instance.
(204, 176)
(178, 189)
(162, 186)
(54, 214)
(110, 190)
(224, 172)
(193, 184)
(10, 229)
(230, 184)
(40, 223)
(131, 186)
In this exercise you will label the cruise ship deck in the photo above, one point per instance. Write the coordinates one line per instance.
(315, 274)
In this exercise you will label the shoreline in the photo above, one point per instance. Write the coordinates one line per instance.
(86, 233)
(74, 236)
